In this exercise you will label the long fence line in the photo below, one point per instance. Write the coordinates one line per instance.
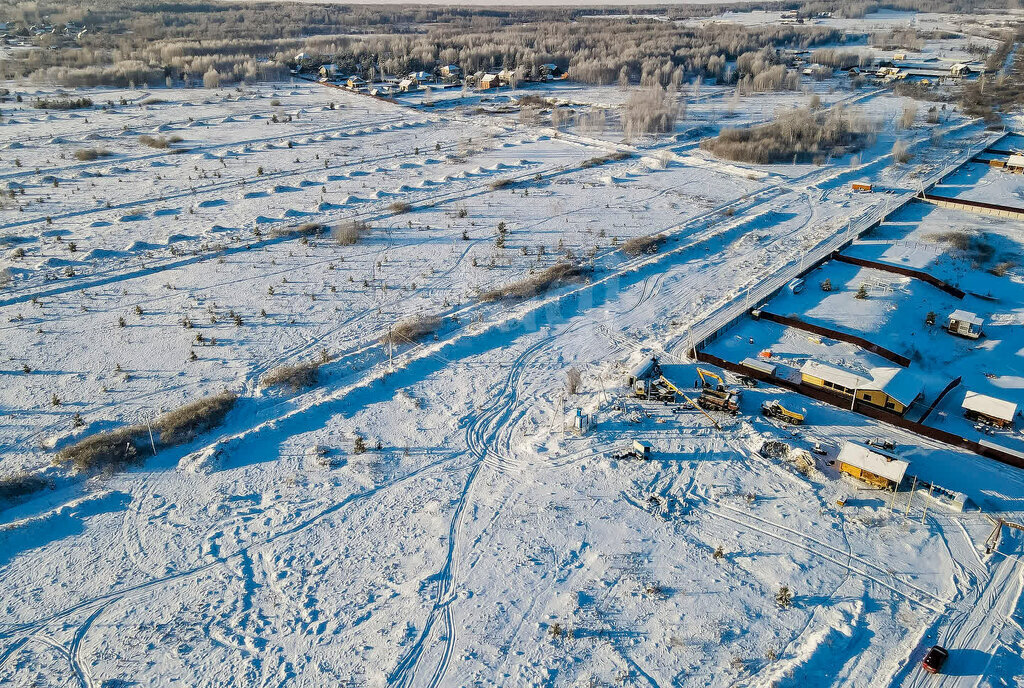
(986, 449)
(797, 323)
(981, 207)
(729, 313)
(900, 270)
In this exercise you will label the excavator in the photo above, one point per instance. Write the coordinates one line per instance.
(775, 409)
(717, 397)
(665, 381)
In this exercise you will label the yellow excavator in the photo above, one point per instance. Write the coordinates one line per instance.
(705, 374)
(717, 397)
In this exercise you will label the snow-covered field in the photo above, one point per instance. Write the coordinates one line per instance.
(477, 541)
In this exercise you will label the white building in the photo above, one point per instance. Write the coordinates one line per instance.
(989, 409)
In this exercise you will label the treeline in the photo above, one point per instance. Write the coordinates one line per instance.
(153, 42)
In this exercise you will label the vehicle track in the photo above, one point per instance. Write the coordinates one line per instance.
(480, 439)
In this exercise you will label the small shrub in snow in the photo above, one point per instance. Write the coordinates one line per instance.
(184, 423)
(862, 292)
(500, 183)
(158, 141)
(537, 284)
(930, 318)
(399, 207)
(1000, 269)
(638, 246)
(61, 103)
(87, 154)
(784, 597)
(20, 484)
(900, 154)
(359, 446)
(412, 329)
(295, 377)
(349, 232)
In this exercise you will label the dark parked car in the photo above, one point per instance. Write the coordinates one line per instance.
(934, 659)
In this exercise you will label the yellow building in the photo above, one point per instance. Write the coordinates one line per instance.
(892, 389)
(871, 464)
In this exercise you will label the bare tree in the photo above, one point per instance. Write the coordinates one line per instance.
(908, 116)
(573, 381)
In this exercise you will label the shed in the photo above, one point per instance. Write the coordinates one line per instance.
(959, 70)
(451, 71)
(760, 366)
(645, 369)
(1015, 162)
(989, 409)
(489, 81)
(355, 82)
(965, 324)
(871, 464)
(406, 85)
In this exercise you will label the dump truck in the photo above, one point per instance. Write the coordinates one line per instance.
(711, 399)
(775, 409)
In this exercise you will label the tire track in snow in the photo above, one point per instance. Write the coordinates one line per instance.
(835, 556)
(482, 433)
(24, 631)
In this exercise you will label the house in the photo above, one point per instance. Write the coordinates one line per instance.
(959, 70)
(489, 81)
(551, 70)
(355, 82)
(965, 324)
(506, 76)
(328, 71)
(873, 465)
(892, 389)
(450, 72)
(989, 409)
(1015, 163)
(406, 85)
(421, 77)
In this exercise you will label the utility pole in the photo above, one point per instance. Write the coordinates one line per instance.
(152, 444)
(910, 498)
(925, 512)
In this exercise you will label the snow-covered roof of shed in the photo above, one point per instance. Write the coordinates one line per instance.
(834, 375)
(989, 406)
(966, 316)
(759, 365)
(877, 461)
(1015, 160)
